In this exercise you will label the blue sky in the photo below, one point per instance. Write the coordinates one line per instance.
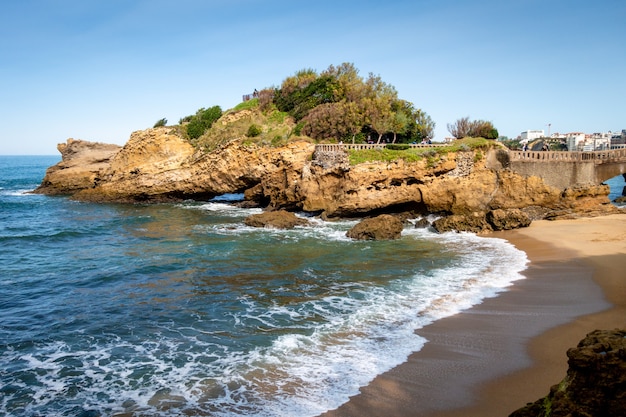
(99, 70)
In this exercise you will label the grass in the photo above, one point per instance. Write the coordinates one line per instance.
(272, 128)
(432, 155)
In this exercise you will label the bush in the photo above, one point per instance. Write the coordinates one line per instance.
(202, 121)
(254, 131)
(161, 122)
(398, 146)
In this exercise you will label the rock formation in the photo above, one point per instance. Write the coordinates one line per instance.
(383, 227)
(82, 166)
(595, 384)
(160, 165)
(279, 219)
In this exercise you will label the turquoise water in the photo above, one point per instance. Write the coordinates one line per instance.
(181, 309)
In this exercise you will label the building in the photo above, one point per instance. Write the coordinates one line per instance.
(575, 141)
(618, 140)
(528, 135)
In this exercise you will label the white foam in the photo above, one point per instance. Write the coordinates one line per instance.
(334, 344)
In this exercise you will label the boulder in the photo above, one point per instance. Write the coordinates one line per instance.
(473, 222)
(280, 219)
(595, 384)
(500, 219)
(383, 227)
(422, 223)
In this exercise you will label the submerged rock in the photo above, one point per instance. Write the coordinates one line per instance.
(595, 384)
(383, 227)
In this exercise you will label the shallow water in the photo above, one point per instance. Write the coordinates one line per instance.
(181, 309)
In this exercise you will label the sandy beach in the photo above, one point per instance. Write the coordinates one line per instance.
(495, 357)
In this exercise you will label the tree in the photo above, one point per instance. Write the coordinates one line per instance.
(460, 129)
(476, 128)
(399, 124)
(379, 115)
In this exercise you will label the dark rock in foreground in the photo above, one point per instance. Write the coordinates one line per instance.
(595, 385)
(480, 222)
(475, 223)
(383, 227)
(507, 219)
(275, 219)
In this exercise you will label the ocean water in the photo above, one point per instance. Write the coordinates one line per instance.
(181, 309)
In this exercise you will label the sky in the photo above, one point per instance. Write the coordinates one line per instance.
(98, 70)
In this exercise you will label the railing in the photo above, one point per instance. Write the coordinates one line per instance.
(247, 97)
(614, 155)
(334, 147)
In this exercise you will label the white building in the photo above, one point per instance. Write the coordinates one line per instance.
(575, 141)
(529, 135)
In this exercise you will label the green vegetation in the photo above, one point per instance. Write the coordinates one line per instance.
(328, 107)
(432, 155)
(397, 146)
(339, 105)
(464, 128)
(202, 121)
(254, 131)
(247, 105)
(161, 122)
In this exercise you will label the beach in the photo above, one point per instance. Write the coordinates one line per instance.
(508, 351)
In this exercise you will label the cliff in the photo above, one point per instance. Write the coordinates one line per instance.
(160, 165)
(595, 384)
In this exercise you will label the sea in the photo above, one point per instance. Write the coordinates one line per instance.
(183, 310)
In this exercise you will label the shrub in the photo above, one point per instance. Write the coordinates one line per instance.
(254, 131)
(161, 122)
(397, 146)
(202, 121)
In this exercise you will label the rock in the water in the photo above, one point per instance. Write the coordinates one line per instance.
(83, 165)
(383, 227)
(507, 219)
(595, 384)
(422, 223)
(280, 219)
(475, 223)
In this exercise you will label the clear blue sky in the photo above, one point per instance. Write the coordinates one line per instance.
(101, 69)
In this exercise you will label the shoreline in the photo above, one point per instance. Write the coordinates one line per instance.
(509, 350)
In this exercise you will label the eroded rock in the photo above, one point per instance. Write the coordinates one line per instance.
(279, 219)
(595, 384)
(383, 227)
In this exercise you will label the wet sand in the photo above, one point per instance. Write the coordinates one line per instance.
(495, 357)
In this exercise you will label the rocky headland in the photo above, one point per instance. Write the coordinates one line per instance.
(470, 189)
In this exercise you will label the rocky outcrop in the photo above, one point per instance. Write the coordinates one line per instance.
(383, 227)
(279, 219)
(507, 219)
(595, 384)
(82, 166)
(160, 165)
(479, 222)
